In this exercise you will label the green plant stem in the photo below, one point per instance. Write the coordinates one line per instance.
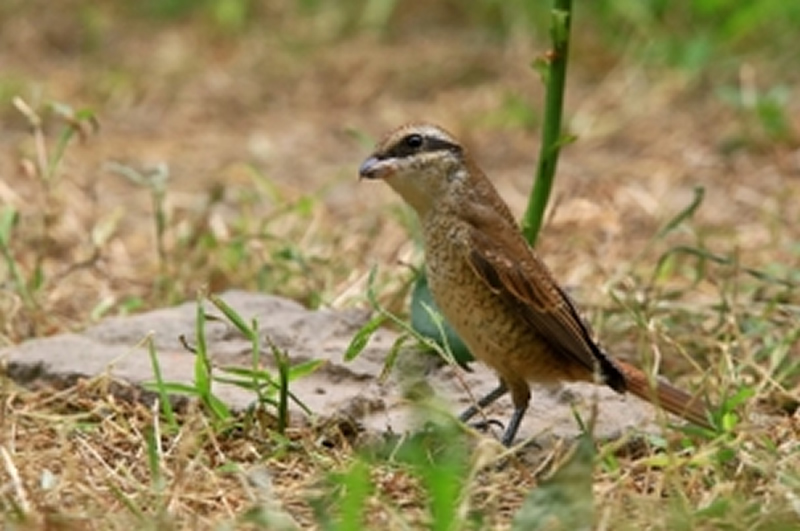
(555, 70)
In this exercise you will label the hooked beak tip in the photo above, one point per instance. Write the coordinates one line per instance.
(369, 169)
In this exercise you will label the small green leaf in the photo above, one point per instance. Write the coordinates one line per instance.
(357, 487)
(565, 139)
(154, 460)
(304, 368)
(740, 397)
(160, 386)
(560, 26)
(686, 213)
(248, 373)
(391, 358)
(424, 324)
(541, 66)
(361, 338)
(232, 316)
(565, 499)
(175, 388)
(265, 383)
(202, 365)
(8, 219)
(220, 410)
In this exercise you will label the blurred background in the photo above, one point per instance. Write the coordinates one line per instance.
(150, 148)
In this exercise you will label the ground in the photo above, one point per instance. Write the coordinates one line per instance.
(261, 130)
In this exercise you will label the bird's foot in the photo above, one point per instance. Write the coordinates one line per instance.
(486, 425)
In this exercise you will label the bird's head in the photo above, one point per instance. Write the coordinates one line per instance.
(421, 162)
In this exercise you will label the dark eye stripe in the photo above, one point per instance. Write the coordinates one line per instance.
(436, 144)
(429, 144)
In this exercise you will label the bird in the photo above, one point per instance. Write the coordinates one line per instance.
(492, 287)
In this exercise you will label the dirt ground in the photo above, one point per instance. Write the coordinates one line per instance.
(252, 126)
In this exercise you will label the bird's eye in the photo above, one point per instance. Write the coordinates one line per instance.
(413, 141)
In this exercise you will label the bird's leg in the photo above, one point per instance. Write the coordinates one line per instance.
(520, 397)
(485, 401)
(513, 425)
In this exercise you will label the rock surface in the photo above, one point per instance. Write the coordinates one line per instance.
(117, 346)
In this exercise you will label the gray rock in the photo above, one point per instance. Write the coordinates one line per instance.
(117, 346)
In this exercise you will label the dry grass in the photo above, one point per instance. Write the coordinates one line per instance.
(258, 134)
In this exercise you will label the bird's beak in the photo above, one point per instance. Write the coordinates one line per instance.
(375, 168)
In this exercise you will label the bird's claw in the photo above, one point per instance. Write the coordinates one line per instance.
(485, 425)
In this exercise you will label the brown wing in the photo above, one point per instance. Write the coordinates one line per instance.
(504, 261)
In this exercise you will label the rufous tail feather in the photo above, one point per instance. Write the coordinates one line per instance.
(666, 396)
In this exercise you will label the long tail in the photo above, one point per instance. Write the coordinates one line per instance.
(666, 396)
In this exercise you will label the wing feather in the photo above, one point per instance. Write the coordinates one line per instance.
(510, 268)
